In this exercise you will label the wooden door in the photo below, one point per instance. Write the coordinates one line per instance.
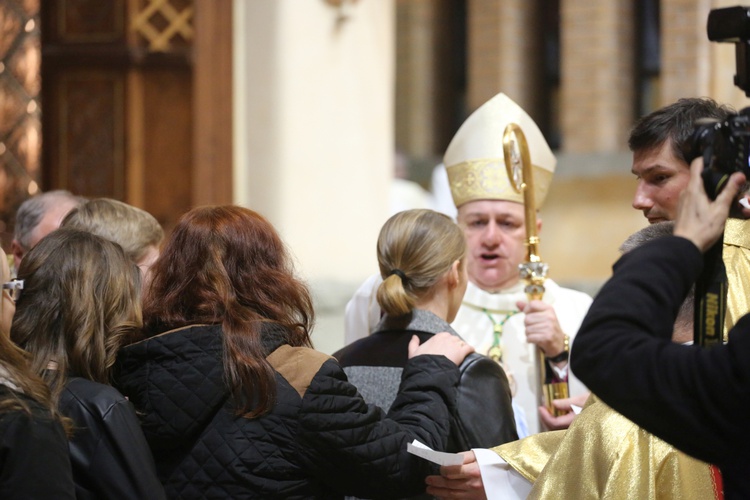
(126, 111)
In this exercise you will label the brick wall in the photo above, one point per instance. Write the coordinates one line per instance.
(504, 53)
(685, 49)
(430, 81)
(597, 74)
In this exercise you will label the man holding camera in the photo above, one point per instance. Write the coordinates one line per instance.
(612, 457)
(661, 143)
(696, 399)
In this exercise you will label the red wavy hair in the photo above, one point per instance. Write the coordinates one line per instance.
(227, 265)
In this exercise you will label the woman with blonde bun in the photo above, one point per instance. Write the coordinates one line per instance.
(421, 255)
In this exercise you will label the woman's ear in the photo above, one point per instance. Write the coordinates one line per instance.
(454, 275)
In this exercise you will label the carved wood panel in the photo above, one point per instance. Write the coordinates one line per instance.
(84, 66)
(109, 133)
(162, 25)
(88, 21)
(91, 129)
(20, 124)
(122, 115)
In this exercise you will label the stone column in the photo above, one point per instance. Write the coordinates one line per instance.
(430, 72)
(415, 111)
(504, 52)
(597, 84)
(685, 50)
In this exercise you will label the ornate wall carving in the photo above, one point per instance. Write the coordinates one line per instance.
(20, 110)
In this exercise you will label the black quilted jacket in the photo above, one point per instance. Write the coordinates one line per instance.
(320, 441)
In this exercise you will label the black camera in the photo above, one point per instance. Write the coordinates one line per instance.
(732, 24)
(725, 145)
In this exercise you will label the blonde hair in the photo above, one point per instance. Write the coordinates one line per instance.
(135, 230)
(415, 249)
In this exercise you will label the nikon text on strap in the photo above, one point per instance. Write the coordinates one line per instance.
(710, 299)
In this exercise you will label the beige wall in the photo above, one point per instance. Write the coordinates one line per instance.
(586, 217)
(314, 135)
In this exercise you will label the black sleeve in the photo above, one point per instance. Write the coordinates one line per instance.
(696, 399)
(34, 459)
(356, 449)
(485, 415)
(112, 459)
(137, 464)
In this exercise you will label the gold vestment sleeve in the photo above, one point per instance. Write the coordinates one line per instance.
(529, 456)
(736, 256)
(603, 455)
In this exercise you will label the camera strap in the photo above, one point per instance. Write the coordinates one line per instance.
(710, 298)
(714, 178)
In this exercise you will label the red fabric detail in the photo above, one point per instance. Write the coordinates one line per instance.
(717, 482)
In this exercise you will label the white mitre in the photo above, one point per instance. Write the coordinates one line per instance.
(474, 158)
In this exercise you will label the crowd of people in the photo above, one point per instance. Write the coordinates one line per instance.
(135, 364)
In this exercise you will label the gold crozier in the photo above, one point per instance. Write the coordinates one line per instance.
(533, 271)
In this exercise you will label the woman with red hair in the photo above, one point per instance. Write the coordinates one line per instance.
(235, 401)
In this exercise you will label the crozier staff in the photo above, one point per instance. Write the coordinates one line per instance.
(554, 385)
(491, 214)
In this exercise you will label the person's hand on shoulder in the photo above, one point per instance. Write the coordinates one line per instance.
(450, 346)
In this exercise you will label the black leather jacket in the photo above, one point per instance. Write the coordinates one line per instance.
(109, 455)
(34, 458)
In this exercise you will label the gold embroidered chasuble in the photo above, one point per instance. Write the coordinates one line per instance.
(736, 256)
(603, 455)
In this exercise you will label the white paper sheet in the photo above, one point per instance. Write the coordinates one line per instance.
(438, 457)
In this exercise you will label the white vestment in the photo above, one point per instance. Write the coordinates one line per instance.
(519, 357)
